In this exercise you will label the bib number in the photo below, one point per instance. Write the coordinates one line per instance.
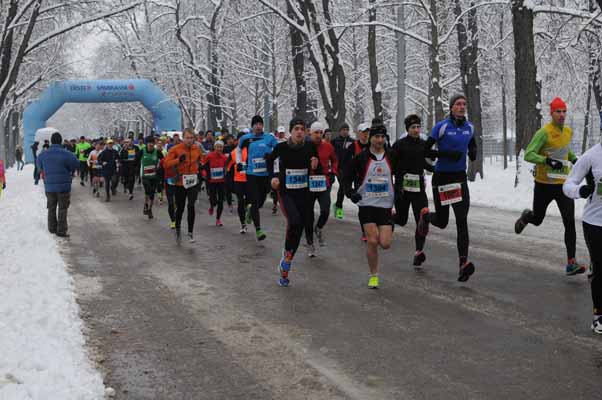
(296, 178)
(562, 173)
(450, 194)
(149, 171)
(259, 165)
(377, 187)
(131, 155)
(189, 181)
(217, 173)
(411, 183)
(317, 183)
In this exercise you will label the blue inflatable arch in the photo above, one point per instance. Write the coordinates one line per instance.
(166, 114)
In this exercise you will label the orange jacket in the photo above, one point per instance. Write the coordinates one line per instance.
(190, 165)
(238, 176)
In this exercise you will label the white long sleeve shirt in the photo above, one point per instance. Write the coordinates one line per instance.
(592, 213)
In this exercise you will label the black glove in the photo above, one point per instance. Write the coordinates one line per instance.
(355, 197)
(555, 164)
(585, 191)
(3, 185)
(240, 167)
(575, 161)
(182, 158)
(472, 154)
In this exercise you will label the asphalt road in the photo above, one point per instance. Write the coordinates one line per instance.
(208, 321)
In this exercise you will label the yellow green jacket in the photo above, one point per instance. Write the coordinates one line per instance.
(553, 142)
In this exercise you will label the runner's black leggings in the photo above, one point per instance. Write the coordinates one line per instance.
(170, 192)
(440, 218)
(182, 196)
(295, 210)
(418, 201)
(258, 188)
(323, 199)
(593, 239)
(129, 181)
(216, 197)
(543, 195)
(241, 200)
(83, 170)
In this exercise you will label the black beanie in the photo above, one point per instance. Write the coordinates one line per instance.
(412, 119)
(256, 119)
(455, 98)
(295, 121)
(378, 130)
(344, 126)
(56, 138)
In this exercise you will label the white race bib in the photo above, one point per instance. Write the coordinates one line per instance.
(296, 178)
(259, 165)
(411, 183)
(217, 173)
(450, 194)
(562, 173)
(377, 187)
(189, 181)
(317, 183)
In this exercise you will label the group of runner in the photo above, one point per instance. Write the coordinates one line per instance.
(384, 179)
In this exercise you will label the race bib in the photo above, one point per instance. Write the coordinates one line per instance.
(171, 181)
(217, 173)
(277, 166)
(131, 155)
(259, 165)
(317, 183)
(296, 178)
(411, 183)
(377, 187)
(562, 173)
(189, 181)
(149, 170)
(450, 194)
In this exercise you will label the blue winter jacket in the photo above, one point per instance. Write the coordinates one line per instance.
(58, 164)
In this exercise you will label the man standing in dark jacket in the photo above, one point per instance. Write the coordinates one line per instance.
(108, 159)
(129, 166)
(57, 164)
(341, 143)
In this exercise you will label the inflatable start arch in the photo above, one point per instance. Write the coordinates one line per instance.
(166, 114)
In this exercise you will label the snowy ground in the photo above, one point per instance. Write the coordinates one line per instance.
(42, 347)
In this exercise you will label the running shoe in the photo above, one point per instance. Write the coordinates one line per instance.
(248, 217)
(419, 258)
(210, 210)
(284, 267)
(274, 209)
(178, 236)
(150, 213)
(218, 223)
(190, 238)
(319, 236)
(243, 229)
(597, 324)
(373, 282)
(82, 183)
(338, 212)
(145, 210)
(521, 223)
(97, 193)
(423, 224)
(172, 225)
(574, 268)
(231, 210)
(311, 250)
(260, 235)
(364, 238)
(466, 270)
(131, 197)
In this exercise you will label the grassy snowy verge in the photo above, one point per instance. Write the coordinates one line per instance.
(42, 348)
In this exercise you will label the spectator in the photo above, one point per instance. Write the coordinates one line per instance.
(57, 164)
(19, 158)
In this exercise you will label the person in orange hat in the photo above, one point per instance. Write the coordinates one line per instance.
(550, 151)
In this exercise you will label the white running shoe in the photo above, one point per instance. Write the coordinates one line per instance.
(597, 325)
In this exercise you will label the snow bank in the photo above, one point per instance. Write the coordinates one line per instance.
(42, 348)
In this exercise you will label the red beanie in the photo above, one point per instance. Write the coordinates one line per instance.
(557, 104)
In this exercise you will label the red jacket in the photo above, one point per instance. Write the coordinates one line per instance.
(328, 160)
(215, 165)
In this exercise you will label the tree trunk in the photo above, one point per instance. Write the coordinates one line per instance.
(436, 89)
(357, 116)
(297, 46)
(401, 74)
(377, 98)
(527, 88)
(500, 52)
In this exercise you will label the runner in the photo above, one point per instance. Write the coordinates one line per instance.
(149, 158)
(341, 144)
(368, 182)
(186, 157)
(259, 145)
(229, 146)
(94, 168)
(160, 187)
(454, 137)
(82, 149)
(298, 159)
(589, 167)
(409, 180)
(362, 143)
(215, 165)
(319, 187)
(239, 187)
(550, 151)
(170, 178)
(280, 137)
(109, 158)
(129, 166)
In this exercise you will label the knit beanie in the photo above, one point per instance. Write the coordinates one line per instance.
(557, 104)
(256, 120)
(295, 121)
(455, 98)
(412, 119)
